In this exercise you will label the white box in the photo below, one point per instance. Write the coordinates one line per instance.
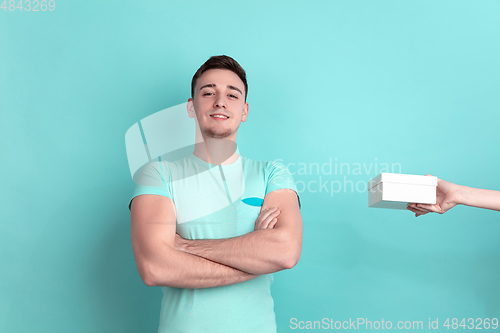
(395, 190)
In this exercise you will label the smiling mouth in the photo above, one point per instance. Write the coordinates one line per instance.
(219, 116)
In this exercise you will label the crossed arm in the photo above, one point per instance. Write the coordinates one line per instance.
(267, 249)
(163, 261)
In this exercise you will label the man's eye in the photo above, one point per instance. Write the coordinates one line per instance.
(207, 94)
(233, 96)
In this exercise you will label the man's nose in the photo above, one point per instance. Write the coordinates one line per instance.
(220, 102)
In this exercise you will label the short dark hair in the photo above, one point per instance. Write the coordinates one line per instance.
(221, 62)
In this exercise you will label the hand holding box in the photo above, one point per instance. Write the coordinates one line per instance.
(396, 191)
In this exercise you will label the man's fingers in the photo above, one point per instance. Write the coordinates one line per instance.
(262, 216)
(264, 224)
(265, 218)
(269, 219)
(266, 212)
(271, 222)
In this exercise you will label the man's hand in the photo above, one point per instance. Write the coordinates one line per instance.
(267, 218)
(180, 243)
(274, 245)
(447, 197)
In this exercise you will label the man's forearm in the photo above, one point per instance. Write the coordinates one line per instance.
(177, 269)
(258, 252)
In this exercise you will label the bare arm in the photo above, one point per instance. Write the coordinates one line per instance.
(480, 198)
(159, 264)
(262, 251)
(448, 195)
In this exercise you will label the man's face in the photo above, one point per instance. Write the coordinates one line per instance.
(219, 104)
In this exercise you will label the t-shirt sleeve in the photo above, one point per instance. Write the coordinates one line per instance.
(279, 177)
(153, 178)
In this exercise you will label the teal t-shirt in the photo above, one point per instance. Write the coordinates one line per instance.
(214, 202)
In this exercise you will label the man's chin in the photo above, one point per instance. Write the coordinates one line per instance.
(216, 134)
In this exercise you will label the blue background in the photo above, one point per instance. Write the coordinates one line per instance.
(370, 82)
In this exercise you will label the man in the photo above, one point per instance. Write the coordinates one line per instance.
(210, 228)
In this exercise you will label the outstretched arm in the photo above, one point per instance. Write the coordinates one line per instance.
(274, 245)
(448, 195)
(159, 263)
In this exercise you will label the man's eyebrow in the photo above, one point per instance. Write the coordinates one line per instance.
(235, 88)
(212, 85)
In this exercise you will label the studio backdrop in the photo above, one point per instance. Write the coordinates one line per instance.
(339, 91)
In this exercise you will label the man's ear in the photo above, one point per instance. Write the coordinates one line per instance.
(190, 108)
(245, 113)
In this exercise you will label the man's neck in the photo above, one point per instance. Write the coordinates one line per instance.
(216, 151)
